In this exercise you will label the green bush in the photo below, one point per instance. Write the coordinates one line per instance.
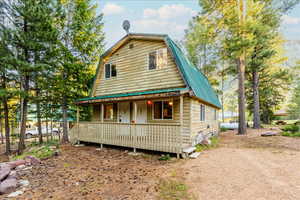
(214, 143)
(223, 129)
(290, 128)
(165, 157)
(290, 134)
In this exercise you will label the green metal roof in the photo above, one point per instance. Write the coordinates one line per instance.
(196, 80)
(132, 94)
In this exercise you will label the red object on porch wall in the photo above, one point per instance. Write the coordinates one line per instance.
(149, 102)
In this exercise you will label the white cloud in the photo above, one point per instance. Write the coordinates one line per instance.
(112, 9)
(169, 19)
(169, 12)
(288, 20)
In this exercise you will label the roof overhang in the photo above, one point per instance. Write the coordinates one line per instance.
(135, 96)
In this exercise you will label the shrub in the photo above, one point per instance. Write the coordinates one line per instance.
(165, 157)
(290, 134)
(214, 143)
(223, 129)
(290, 128)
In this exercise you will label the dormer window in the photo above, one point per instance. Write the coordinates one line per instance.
(157, 59)
(110, 71)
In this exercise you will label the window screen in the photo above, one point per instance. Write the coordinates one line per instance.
(158, 110)
(202, 112)
(108, 111)
(107, 71)
(152, 60)
(167, 109)
(113, 70)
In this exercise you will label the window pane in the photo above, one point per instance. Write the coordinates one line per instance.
(202, 113)
(152, 60)
(113, 70)
(162, 58)
(107, 71)
(158, 110)
(167, 112)
(108, 111)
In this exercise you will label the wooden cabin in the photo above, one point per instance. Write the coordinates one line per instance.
(147, 95)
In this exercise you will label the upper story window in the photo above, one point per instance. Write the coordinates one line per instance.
(110, 70)
(202, 112)
(157, 59)
(163, 110)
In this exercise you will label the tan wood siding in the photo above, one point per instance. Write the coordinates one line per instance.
(132, 70)
(209, 125)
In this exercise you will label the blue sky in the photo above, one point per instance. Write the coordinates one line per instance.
(167, 17)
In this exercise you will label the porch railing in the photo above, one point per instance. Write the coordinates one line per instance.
(158, 137)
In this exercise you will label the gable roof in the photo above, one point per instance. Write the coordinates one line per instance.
(193, 78)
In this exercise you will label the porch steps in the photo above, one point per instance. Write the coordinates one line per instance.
(195, 155)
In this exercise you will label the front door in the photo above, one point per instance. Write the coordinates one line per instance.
(141, 115)
(124, 112)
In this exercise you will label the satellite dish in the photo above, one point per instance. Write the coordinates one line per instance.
(126, 26)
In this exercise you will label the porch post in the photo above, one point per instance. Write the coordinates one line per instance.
(77, 115)
(134, 111)
(102, 112)
(77, 120)
(181, 124)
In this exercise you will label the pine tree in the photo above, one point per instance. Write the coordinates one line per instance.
(81, 37)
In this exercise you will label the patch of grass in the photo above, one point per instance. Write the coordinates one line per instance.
(214, 143)
(291, 134)
(173, 190)
(165, 157)
(39, 151)
(222, 129)
(291, 128)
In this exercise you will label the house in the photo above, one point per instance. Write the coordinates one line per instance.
(147, 95)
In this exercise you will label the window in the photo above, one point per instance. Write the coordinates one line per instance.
(163, 110)
(202, 112)
(215, 114)
(152, 60)
(158, 59)
(110, 70)
(108, 111)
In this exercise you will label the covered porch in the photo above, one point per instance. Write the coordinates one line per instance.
(147, 121)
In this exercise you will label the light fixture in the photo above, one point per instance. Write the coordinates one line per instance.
(149, 102)
(171, 103)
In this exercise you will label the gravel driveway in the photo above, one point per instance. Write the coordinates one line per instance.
(246, 167)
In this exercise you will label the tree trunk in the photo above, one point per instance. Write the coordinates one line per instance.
(6, 119)
(255, 84)
(65, 138)
(38, 116)
(24, 105)
(241, 76)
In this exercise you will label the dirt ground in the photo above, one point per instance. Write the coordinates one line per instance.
(242, 167)
(86, 173)
(246, 167)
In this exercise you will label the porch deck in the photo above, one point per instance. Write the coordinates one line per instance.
(158, 137)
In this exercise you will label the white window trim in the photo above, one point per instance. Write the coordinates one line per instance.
(110, 77)
(156, 51)
(163, 110)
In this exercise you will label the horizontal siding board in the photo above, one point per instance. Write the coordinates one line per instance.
(133, 74)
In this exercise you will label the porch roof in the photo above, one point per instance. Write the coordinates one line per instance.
(131, 94)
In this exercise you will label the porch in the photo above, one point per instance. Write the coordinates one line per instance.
(149, 121)
(158, 137)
